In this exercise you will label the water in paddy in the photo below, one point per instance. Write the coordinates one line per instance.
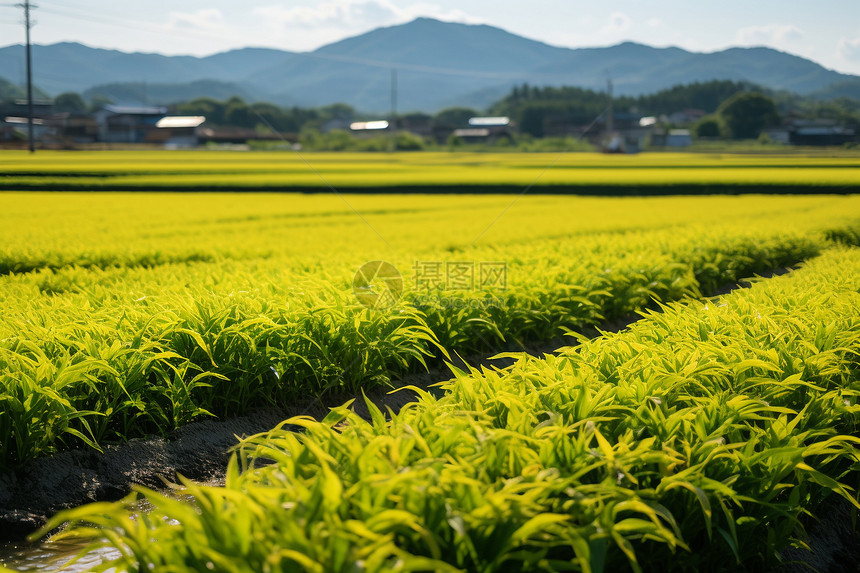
(51, 556)
(54, 556)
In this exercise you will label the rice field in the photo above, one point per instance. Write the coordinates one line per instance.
(130, 315)
(699, 439)
(651, 173)
(705, 433)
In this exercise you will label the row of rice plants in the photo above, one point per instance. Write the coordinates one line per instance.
(699, 439)
(196, 170)
(93, 357)
(101, 231)
(660, 181)
(193, 161)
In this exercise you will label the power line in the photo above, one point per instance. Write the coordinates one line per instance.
(393, 124)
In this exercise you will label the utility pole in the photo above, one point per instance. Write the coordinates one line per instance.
(27, 25)
(610, 123)
(392, 125)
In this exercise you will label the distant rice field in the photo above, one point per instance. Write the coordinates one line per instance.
(647, 173)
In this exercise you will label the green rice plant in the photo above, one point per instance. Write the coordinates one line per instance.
(703, 437)
(192, 312)
(35, 395)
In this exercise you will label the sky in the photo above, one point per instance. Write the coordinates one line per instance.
(827, 31)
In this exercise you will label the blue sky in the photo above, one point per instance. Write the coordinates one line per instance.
(827, 31)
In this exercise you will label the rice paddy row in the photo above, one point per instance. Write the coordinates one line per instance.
(250, 303)
(662, 173)
(699, 439)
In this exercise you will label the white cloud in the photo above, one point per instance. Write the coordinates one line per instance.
(336, 13)
(309, 27)
(619, 23)
(434, 11)
(355, 14)
(849, 49)
(653, 22)
(778, 35)
(209, 19)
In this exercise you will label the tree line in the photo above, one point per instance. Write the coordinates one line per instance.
(736, 109)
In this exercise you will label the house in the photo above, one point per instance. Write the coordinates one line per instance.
(486, 130)
(368, 128)
(16, 128)
(147, 124)
(420, 124)
(14, 120)
(473, 134)
(686, 117)
(76, 127)
(176, 131)
(819, 132)
(679, 138)
(127, 124)
(778, 135)
(660, 137)
(19, 108)
(238, 136)
(335, 124)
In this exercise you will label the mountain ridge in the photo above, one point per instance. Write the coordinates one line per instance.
(437, 64)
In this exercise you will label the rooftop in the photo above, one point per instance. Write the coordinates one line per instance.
(135, 110)
(180, 121)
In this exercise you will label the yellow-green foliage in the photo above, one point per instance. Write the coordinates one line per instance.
(125, 315)
(696, 440)
(282, 170)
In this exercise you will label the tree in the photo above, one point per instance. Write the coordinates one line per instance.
(747, 113)
(69, 102)
(337, 111)
(98, 101)
(212, 109)
(238, 114)
(532, 119)
(709, 126)
(274, 117)
(407, 141)
(706, 96)
(10, 92)
(453, 117)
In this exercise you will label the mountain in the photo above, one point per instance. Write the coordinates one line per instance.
(158, 93)
(438, 64)
(846, 88)
(69, 66)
